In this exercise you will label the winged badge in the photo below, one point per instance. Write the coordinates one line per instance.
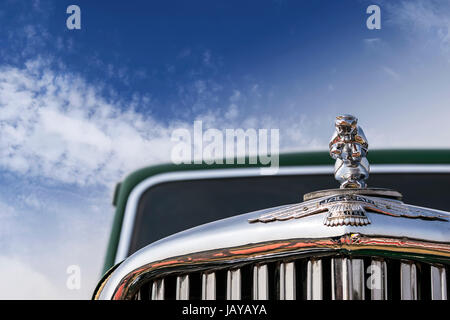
(349, 209)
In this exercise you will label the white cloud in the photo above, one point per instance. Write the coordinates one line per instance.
(40, 238)
(57, 126)
(235, 96)
(391, 73)
(20, 281)
(8, 218)
(371, 42)
(6, 210)
(232, 112)
(207, 57)
(427, 18)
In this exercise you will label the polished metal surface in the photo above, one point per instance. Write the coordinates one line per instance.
(341, 279)
(346, 211)
(234, 291)
(349, 209)
(358, 283)
(158, 289)
(438, 283)
(135, 196)
(349, 147)
(287, 281)
(377, 281)
(314, 280)
(347, 279)
(182, 291)
(291, 237)
(260, 282)
(208, 286)
(371, 192)
(408, 281)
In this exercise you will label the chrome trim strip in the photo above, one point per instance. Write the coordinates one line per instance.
(182, 292)
(234, 284)
(438, 283)
(341, 279)
(358, 292)
(158, 289)
(136, 193)
(314, 279)
(260, 282)
(408, 281)
(209, 286)
(287, 281)
(378, 280)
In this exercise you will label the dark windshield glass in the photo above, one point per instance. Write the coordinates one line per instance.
(175, 206)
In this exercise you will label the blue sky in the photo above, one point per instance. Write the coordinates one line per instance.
(79, 109)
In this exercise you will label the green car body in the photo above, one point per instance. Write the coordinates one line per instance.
(123, 189)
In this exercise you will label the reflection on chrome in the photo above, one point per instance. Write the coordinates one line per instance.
(349, 243)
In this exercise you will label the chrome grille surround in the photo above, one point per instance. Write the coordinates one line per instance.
(307, 259)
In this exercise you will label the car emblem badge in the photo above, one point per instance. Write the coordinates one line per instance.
(346, 210)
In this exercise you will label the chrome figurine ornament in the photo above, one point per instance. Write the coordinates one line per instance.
(349, 204)
(349, 147)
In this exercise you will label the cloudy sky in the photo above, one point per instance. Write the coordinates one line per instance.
(79, 109)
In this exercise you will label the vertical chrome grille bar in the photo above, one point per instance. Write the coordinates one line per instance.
(260, 282)
(357, 276)
(314, 286)
(287, 281)
(341, 279)
(158, 289)
(182, 292)
(408, 280)
(377, 281)
(234, 284)
(209, 286)
(438, 283)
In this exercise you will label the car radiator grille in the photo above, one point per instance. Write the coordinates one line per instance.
(325, 278)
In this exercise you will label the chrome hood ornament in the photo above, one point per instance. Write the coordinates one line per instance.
(349, 147)
(348, 205)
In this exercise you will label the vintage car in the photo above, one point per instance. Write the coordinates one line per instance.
(182, 231)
